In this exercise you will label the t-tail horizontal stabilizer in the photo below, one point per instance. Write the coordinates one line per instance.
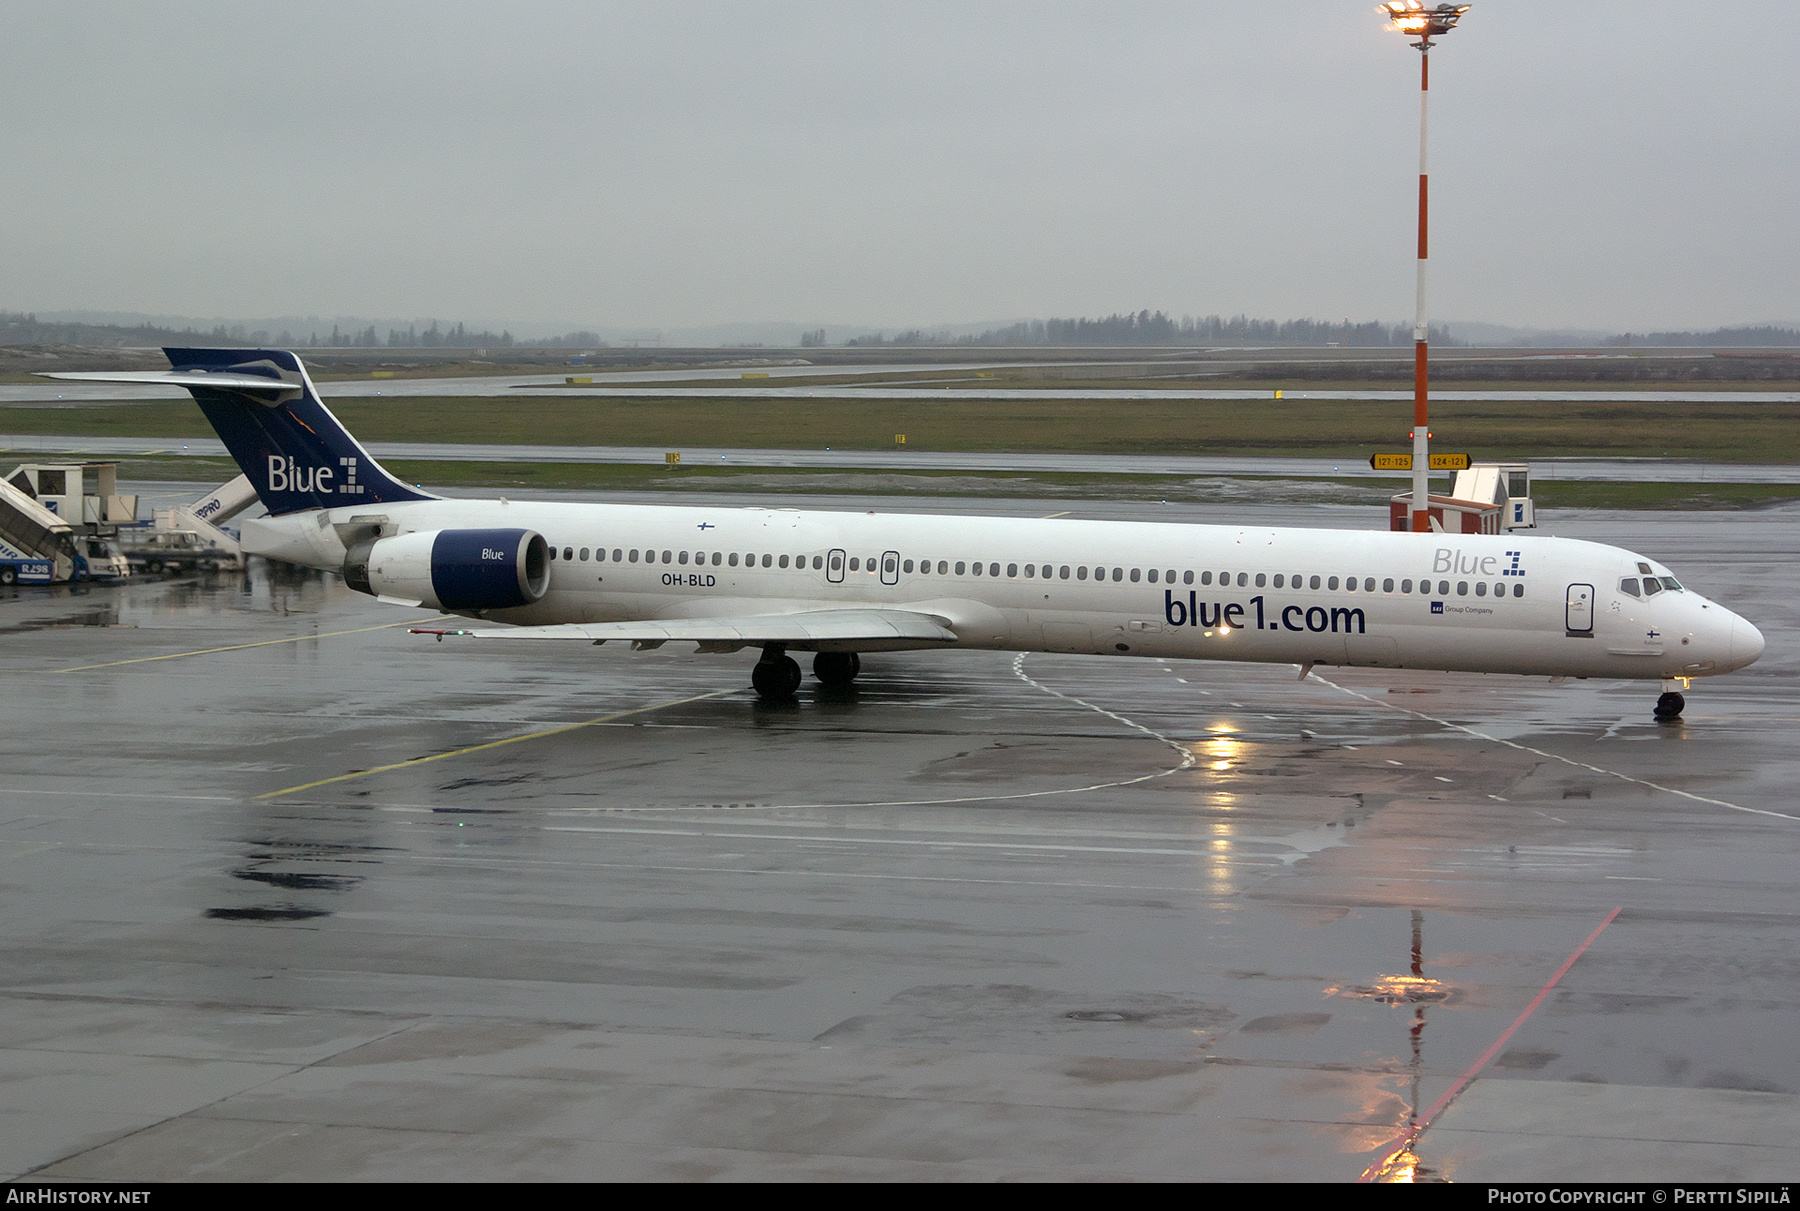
(264, 407)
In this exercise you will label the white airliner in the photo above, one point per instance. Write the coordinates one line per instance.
(836, 584)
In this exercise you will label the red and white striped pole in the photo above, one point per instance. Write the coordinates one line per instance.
(1413, 17)
(1421, 435)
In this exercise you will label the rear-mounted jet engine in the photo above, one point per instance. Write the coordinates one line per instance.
(476, 570)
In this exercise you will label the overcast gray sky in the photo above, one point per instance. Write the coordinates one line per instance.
(1596, 163)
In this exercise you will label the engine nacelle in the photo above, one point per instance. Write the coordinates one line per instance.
(453, 569)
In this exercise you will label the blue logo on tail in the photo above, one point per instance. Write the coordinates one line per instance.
(296, 453)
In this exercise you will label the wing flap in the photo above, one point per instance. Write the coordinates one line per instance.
(810, 626)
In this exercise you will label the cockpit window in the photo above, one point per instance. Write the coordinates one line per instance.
(1629, 586)
(1652, 586)
(1669, 582)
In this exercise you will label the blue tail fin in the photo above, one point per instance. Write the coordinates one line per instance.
(296, 453)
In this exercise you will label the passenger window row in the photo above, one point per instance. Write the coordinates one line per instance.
(729, 559)
(1079, 572)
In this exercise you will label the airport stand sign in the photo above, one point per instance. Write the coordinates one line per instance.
(1403, 462)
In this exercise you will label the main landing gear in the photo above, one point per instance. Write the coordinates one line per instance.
(836, 669)
(777, 676)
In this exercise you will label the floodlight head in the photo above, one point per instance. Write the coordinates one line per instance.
(1413, 17)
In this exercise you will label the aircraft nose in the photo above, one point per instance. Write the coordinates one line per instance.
(1746, 643)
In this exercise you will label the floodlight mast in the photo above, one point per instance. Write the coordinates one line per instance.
(1412, 17)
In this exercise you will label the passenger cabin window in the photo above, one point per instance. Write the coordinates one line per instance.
(1012, 569)
(1462, 588)
(959, 567)
(1406, 586)
(1136, 576)
(1261, 580)
(1187, 578)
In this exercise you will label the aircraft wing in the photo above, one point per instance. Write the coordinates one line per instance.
(805, 627)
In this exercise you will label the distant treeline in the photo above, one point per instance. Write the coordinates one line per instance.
(24, 328)
(1765, 335)
(1158, 328)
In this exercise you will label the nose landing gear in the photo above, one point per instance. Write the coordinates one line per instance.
(1669, 706)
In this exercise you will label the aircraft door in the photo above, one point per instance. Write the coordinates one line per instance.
(1579, 609)
(834, 567)
(890, 567)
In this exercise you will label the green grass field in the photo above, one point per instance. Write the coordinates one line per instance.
(1074, 488)
(1753, 432)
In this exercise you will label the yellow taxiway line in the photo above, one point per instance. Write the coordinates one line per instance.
(238, 647)
(476, 748)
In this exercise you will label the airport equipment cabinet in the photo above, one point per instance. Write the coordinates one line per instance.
(53, 530)
(1488, 498)
(64, 489)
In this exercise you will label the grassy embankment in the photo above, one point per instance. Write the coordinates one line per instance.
(1725, 433)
